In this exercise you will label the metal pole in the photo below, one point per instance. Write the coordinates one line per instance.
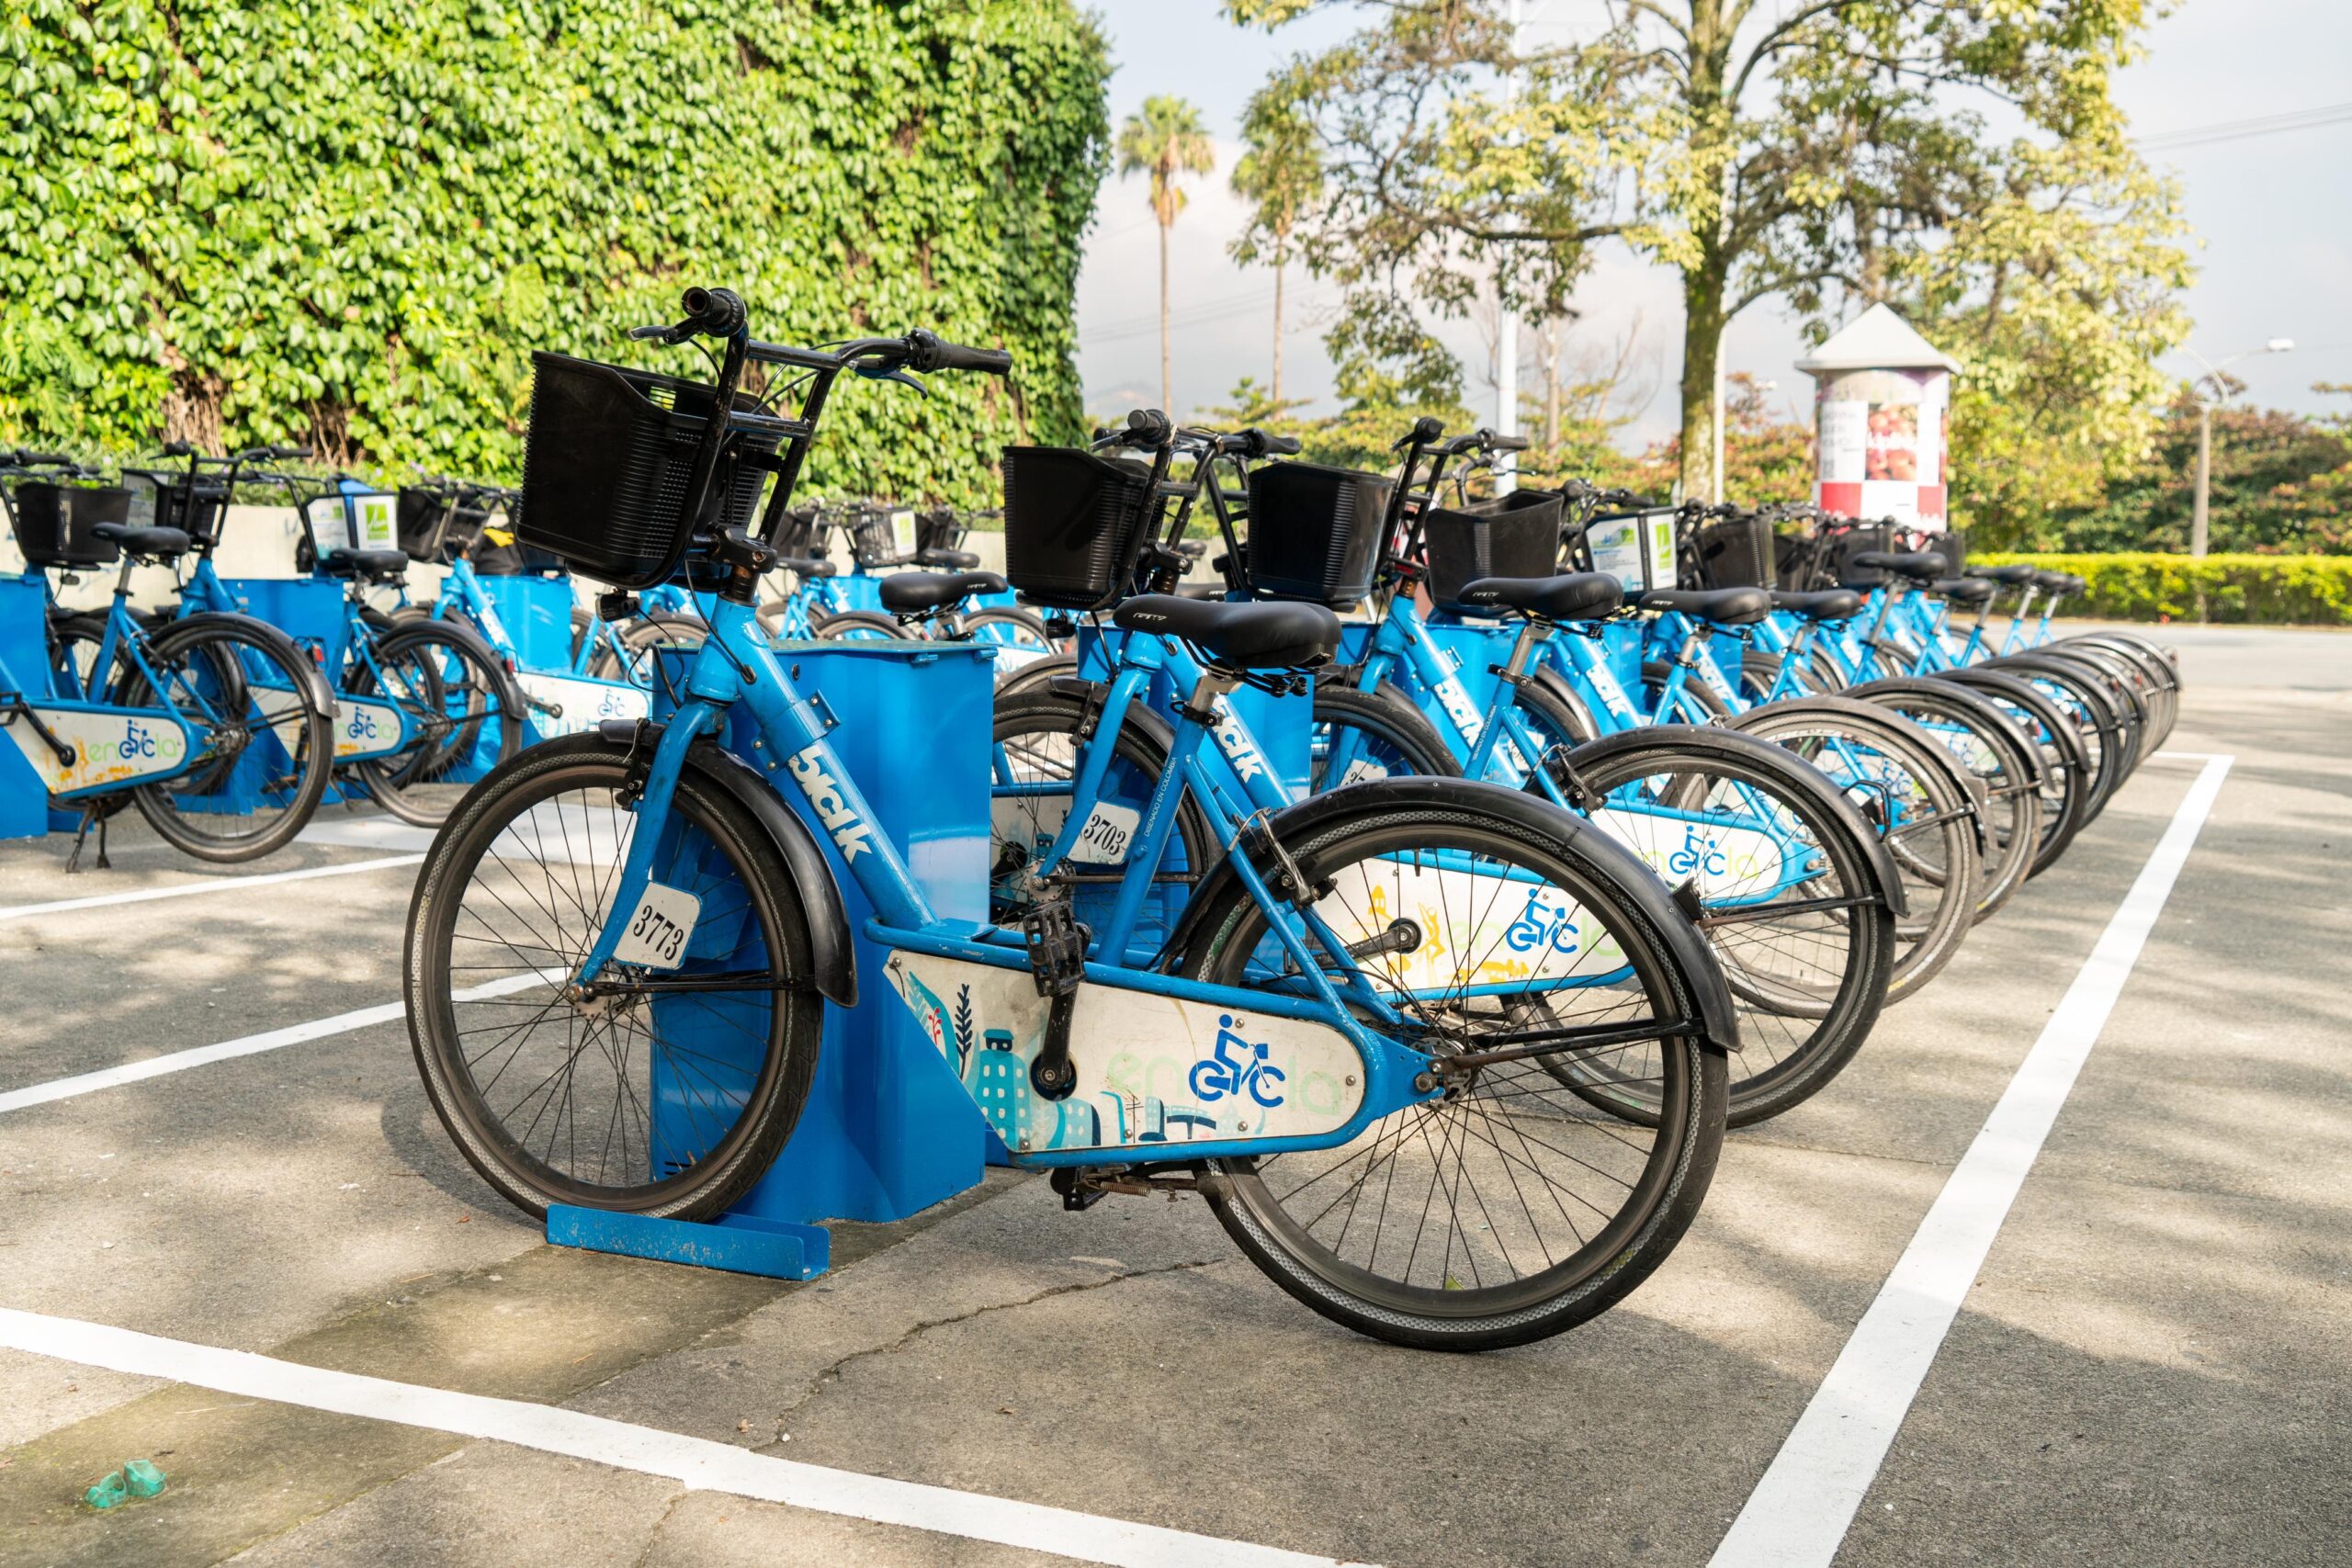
(1506, 327)
(1722, 488)
(2197, 525)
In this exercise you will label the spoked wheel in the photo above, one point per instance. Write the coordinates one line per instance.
(1510, 1209)
(1040, 737)
(1788, 902)
(669, 1087)
(1913, 797)
(468, 714)
(2065, 768)
(1037, 675)
(1996, 755)
(1360, 736)
(264, 746)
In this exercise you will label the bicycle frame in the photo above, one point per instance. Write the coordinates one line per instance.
(737, 668)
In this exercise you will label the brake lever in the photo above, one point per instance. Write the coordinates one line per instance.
(665, 334)
(890, 373)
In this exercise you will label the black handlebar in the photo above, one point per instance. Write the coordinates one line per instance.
(1506, 442)
(714, 313)
(42, 459)
(929, 350)
(1425, 430)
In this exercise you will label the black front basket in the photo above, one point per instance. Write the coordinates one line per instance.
(1073, 522)
(1314, 531)
(1512, 535)
(54, 521)
(609, 459)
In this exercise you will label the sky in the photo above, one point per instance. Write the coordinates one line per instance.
(2272, 216)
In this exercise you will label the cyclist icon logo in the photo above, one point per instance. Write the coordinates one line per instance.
(1236, 1066)
(1697, 853)
(1540, 925)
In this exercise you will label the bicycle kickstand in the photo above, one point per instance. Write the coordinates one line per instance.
(90, 815)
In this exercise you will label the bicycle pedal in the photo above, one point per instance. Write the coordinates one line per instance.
(1056, 944)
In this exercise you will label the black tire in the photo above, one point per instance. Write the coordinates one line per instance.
(1039, 674)
(1025, 628)
(1999, 758)
(448, 684)
(476, 919)
(1386, 736)
(1809, 981)
(266, 692)
(1037, 739)
(1914, 796)
(871, 625)
(1504, 1300)
(2065, 766)
(2090, 709)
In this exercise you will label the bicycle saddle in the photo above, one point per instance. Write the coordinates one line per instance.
(1574, 596)
(915, 593)
(2016, 575)
(952, 560)
(1716, 606)
(364, 563)
(1286, 634)
(2048, 582)
(1830, 604)
(806, 566)
(1963, 589)
(134, 541)
(1920, 565)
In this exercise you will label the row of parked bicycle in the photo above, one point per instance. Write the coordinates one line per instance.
(1436, 946)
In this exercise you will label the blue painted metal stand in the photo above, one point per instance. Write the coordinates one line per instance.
(24, 799)
(888, 1130)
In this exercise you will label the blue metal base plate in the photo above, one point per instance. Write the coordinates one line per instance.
(736, 1243)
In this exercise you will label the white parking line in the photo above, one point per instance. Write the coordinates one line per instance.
(1799, 1513)
(695, 1462)
(211, 884)
(252, 1044)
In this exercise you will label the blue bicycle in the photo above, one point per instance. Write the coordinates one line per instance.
(214, 725)
(1423, 1177)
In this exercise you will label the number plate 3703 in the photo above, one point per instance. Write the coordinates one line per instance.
(660, 928)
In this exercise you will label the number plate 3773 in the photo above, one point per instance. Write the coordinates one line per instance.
(660, 928)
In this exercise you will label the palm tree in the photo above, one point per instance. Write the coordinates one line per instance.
(1280, 176)
(1167, 142)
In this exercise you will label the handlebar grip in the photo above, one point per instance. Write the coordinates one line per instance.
(1425, 430)
(1148, 427)
(1282, 446)
(1508, 443)
(299, 454)
(177, 450)
(48, 458)
(716, 313)
(929, 350)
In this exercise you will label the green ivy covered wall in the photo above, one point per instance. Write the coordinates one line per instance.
(348, 221)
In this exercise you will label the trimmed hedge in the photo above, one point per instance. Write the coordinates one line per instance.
(2145, 586)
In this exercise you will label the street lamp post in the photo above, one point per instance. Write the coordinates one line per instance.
(2200, 533)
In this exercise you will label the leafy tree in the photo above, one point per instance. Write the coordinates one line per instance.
(1166, 140)
(1802, 152)
(350, 223)
(1280, 176)
(2059, 292)
(2280, 483)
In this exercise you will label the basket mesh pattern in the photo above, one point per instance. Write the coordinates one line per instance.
(1072, 525)
(608, 463)
(53, 522)
(1512, 535)
(1314, 531)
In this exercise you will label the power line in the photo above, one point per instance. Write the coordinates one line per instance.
(2236, 129)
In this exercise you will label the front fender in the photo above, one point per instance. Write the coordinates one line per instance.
(1639, 886)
